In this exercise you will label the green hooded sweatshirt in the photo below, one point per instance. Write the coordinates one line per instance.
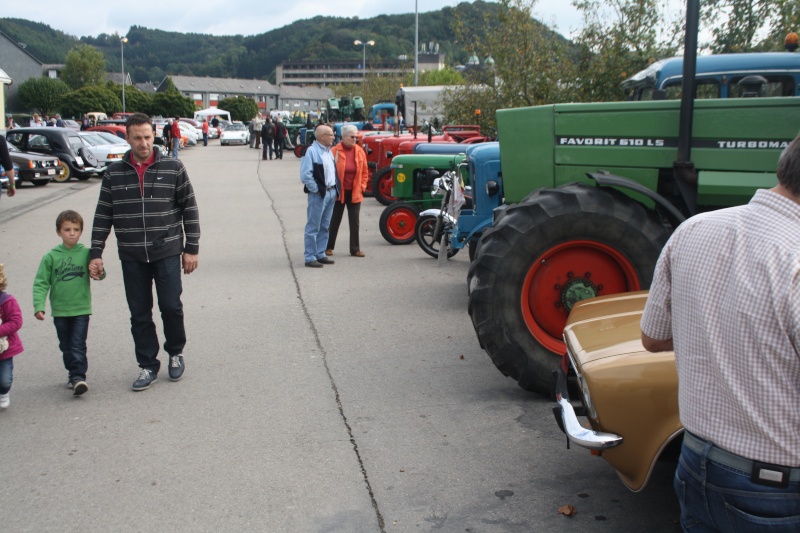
(64, 272)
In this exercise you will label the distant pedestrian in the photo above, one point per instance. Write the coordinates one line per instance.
(205, 132)
(280, 137)
(8, 167)
(321, 185)
(59, 121)
(84, 122)
(267, 138)
(10, 124)
(351, 166)
(10, 344)
(215, 122)
(36, 121)
(166, 136)
(175, 135)
(64, 274)
(149, 201)
(254, 133)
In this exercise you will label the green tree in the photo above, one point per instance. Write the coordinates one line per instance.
(171, 104)
(135, 100)
(88, 99)
(620, 38)
(43, 94)
(531, 65)
(445, 76)
(240, 108)
(85, 66)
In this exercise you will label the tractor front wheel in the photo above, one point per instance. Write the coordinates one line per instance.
(382, 183)
(398, 221)
(299, 150)
(556, 247)
(428, 239)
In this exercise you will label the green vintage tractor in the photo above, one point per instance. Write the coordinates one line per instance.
(592, 193)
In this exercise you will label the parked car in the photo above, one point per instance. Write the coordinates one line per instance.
(190, 132)
(113, 139)
(115, 129)
(71, 124)
(628, 395)
(35, 168)
(4, 179)
(75, 158)
(235, 134)
(106, 151)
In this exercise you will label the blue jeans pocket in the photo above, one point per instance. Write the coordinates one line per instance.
(744, 521)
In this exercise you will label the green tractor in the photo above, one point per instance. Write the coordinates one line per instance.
(593, 192)
(345, 109)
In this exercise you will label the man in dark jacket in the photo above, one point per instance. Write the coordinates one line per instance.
(149, 201)
(280, 135)
(267, 138)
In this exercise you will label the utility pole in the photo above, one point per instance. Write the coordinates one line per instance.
(416, 43)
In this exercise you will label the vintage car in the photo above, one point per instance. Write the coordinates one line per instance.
(106, 151)
(76, 159)
(235, 133)
(36, 168)
(628, 395)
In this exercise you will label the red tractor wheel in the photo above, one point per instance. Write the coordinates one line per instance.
(556, 247)
(397, 223)
(299, 150)
(382, 183)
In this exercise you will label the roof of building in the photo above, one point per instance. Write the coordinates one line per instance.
(310, 92)
(223, 85)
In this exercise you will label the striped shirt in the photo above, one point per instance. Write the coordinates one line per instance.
(726, 289)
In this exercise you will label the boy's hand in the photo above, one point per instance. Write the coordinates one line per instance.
(96, 268)
(39, 315)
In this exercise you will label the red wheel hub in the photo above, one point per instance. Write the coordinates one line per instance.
(565, 274)
(385, 186)
(400, 223)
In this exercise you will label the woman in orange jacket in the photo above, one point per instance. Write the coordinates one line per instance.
(352, 169)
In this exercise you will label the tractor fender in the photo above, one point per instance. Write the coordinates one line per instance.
(435, 212)
(604, 179)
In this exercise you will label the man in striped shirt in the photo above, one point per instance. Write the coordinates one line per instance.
(149, 201)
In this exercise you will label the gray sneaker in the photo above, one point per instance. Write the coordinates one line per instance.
(146, 378)
(176, 367)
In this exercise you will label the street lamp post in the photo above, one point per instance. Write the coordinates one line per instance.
(416, 43)
(364, 59)
(122, 56)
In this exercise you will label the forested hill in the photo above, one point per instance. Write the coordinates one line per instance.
(151, 54)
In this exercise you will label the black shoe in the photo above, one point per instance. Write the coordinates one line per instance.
(146, 378)
(326, 261)
(176, 367)
(314, 264)
(79, 387)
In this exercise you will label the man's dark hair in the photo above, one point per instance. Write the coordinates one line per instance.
(789, 167)
(137, 119)
(69, 216)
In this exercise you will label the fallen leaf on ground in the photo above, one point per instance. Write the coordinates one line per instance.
(567, 510)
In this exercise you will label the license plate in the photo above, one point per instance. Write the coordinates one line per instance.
(51, 171)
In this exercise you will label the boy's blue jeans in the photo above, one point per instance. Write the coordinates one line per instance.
(6, 374)
(72, 332)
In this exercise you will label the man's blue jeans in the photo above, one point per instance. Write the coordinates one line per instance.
(6, 374)
(72, 332)
(715, 497)
(318, 215)
(138, 278)
(176, 144)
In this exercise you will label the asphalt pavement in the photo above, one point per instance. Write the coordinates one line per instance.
(352, 398)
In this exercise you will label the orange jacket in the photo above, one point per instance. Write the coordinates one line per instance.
(362, 171)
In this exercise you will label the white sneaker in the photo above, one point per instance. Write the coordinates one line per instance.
(5, 400)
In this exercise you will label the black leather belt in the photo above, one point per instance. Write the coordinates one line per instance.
(760, 473)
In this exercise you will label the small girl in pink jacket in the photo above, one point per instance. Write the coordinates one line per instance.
(11, 318)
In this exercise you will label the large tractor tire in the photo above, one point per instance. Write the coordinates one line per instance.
(544, 254)
(397, 223)
(382, 183)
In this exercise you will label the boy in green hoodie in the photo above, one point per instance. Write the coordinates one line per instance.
(64, 273)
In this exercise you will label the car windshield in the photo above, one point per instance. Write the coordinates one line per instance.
(111, 138)
(236, 127)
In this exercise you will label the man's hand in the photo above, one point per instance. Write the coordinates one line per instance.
(39, 315)
(189, 263)
(11, 191)
(96, 268)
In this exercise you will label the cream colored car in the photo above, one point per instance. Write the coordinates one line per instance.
(628, 395)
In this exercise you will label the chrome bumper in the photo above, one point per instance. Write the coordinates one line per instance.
(577, 434)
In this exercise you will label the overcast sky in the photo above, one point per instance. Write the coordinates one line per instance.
(231, 17)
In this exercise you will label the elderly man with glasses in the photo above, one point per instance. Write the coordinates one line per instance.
(321, 184)
(351, 165)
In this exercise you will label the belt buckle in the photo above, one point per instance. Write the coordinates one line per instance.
(770, 475)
